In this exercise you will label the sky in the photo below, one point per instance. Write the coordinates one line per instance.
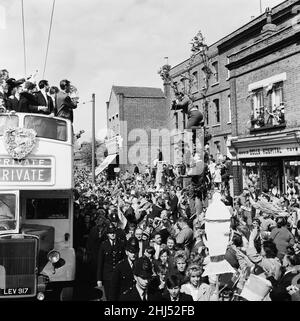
(100, 43)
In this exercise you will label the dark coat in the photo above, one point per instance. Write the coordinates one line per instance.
(173, 202)
(279, 292)
(27, 103)
(64, 106)
(132, 294)
(122, 279)
(144, 244)
(42, 102)
(156, 211)
(182, 297)
(108, 258)
(12, 103)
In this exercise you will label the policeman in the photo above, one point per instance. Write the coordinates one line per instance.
(142, 274)
(111, 252)
(114, 219)
(122, 277)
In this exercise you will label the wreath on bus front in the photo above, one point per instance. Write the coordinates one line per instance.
(19, 142)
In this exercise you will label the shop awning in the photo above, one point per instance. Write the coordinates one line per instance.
(108, 160)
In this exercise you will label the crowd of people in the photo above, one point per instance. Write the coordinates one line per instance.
(28, 96)
(143, 240)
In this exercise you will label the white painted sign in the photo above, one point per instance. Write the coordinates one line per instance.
(288, 150)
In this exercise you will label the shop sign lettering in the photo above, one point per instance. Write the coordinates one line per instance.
(269, 151)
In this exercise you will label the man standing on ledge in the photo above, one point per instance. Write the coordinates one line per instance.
(184, 102)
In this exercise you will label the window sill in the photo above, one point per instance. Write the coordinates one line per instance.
(215, 84)
(229, 123)
(266, 128)
(217, 125)
(228, 78)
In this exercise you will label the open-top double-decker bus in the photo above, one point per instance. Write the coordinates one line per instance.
(37, 258)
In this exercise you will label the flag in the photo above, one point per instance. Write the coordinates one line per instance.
(122, 218)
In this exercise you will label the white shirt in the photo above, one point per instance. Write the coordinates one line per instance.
(45, 96)
(130, 263)
(141, 248)
(157, 250)
(141, 292)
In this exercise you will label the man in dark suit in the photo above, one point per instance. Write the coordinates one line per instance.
(64, 103)
(280, 287)
(173, 203)
(173, 287)
(27, 102)
(142, 274)
(111, 252)
(43, 99)
(142, 243)
(122, 278)
(15, 89)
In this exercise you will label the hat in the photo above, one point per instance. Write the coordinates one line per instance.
(132, 245)
(143, 268)
(114, 217)
(111, 229)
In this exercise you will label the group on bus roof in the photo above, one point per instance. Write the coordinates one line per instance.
(28, 96)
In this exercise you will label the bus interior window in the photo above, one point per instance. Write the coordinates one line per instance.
(47, 127)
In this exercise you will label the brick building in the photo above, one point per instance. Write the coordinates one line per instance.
(253, 112)
(215, 94)
(264, 80)
(133, 114)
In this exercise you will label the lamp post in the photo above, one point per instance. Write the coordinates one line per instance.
(93, 138)
(93, 135)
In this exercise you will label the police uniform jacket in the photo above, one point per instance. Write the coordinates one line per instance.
(132, 294)
(108, 258)
(122, 279)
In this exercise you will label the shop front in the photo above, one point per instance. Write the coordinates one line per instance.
(269, 163)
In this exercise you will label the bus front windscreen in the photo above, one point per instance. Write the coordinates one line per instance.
(47, 208)
(45, 127)
(9, 215)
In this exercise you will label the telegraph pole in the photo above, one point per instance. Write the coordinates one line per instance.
(93, 139)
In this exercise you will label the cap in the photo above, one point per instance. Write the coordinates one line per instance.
(132, 244)
(114, 217)
(143, 268)
(111, 229)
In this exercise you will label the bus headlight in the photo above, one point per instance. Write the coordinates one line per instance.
(40, 296)
(53, 256)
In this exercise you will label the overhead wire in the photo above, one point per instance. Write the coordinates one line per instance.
(49, 35)
(24, 47)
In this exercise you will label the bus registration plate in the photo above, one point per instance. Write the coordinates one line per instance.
(15, 291)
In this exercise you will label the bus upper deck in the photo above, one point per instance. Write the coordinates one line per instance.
(47, 146)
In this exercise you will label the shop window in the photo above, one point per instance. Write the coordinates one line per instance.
(292, 178)
(251, 175)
